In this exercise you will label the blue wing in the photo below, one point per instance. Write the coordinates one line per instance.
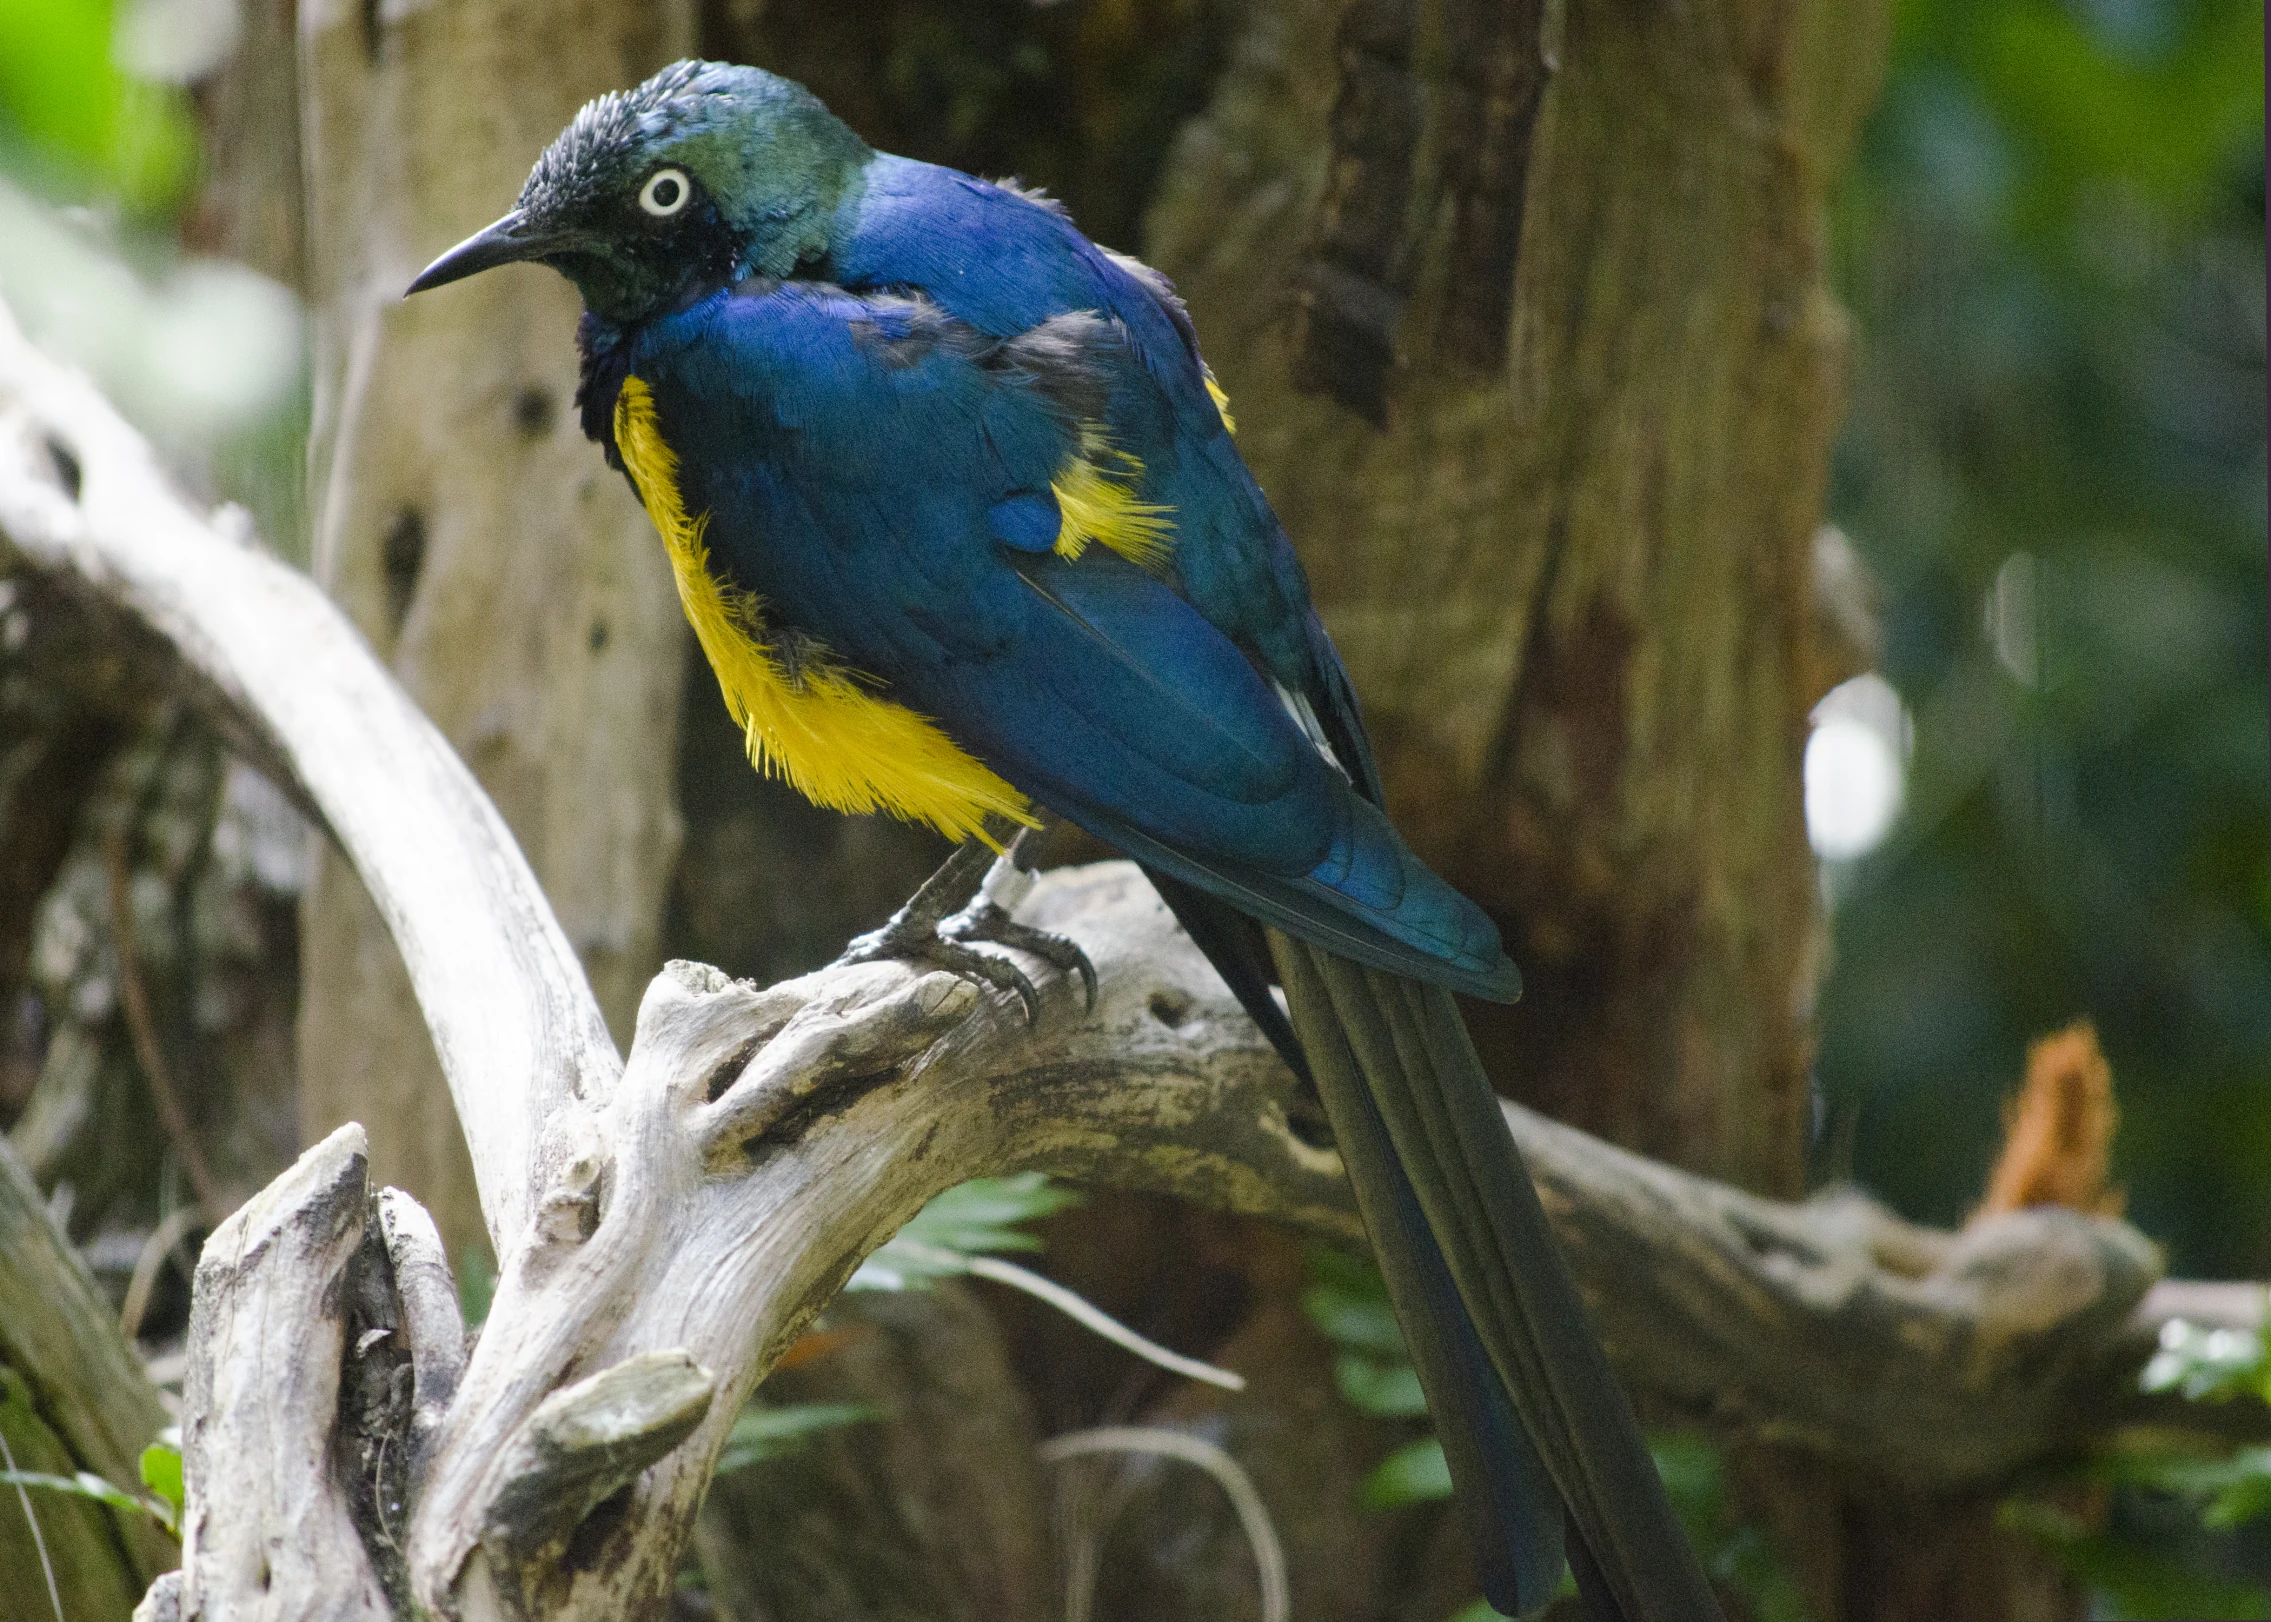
(1001, 262)
(879, 472)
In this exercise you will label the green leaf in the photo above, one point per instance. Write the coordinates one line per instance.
(161, 1473)
(1382, 1390)
(763, 1434)
(86, 1484)
(1348, 1302)
(2140, 1583)
(1414, 1474)
(971, 1219)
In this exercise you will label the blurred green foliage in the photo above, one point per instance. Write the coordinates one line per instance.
(1347, 1302)
(2132, 1576)
(73, 120)
(2228, 1490)
(2205, 1364)
(100, 173)
(762, 1433)
(2052, 243)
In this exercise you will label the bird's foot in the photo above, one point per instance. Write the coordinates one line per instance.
(985, 919)
(912, 940)
(923, 931)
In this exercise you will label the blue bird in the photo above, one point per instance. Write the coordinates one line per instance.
(956, 513)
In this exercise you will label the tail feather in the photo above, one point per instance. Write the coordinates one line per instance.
(1316, 911)
(1513, 1514)
(1514, 1517)
(1393, 1052)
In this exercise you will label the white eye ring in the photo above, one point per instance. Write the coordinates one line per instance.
(665, 193)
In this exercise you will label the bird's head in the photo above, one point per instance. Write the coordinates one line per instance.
(702, 175)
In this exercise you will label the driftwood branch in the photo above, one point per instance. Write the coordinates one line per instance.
(668, 1225)
(267, 1529)
(519, 1035)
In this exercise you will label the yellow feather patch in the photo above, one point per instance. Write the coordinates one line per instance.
(808, 720)
(1094, 505)
(1221, 404)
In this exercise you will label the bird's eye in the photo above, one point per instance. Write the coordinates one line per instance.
(665, 192)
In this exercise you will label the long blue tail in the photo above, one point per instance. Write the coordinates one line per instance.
(1418, 1124)
(1513, 1515)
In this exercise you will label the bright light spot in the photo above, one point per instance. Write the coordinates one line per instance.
(175, 41)
(222, 345)
(1856, 768)
(1852, 789)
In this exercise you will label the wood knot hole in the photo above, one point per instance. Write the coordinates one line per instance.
(402, 556)
(1172, 1008)
(68, 473)
(730, 1068)
(532, 411)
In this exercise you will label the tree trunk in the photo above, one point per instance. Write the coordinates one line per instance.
(463, 522)
(1571, 576)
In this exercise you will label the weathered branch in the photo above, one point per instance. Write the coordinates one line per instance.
(667, 1229)
(513, 1019)
(266, 1529)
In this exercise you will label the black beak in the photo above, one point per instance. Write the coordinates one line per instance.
(507, 242)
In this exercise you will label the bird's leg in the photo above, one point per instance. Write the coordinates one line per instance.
(928, 929)
(987, 917)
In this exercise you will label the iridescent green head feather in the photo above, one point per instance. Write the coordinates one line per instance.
(702, 175)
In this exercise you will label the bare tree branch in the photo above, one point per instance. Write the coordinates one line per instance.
(266, 1529)
(513, 1019)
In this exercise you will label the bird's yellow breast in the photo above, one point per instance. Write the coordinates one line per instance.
(822, 727)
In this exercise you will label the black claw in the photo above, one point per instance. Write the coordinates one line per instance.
(983, 920)
(914, 940)
(923, 931)
(995, 971)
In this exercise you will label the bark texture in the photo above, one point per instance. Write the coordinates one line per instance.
(508, 577)
(1574, 584)
(72, 1397)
